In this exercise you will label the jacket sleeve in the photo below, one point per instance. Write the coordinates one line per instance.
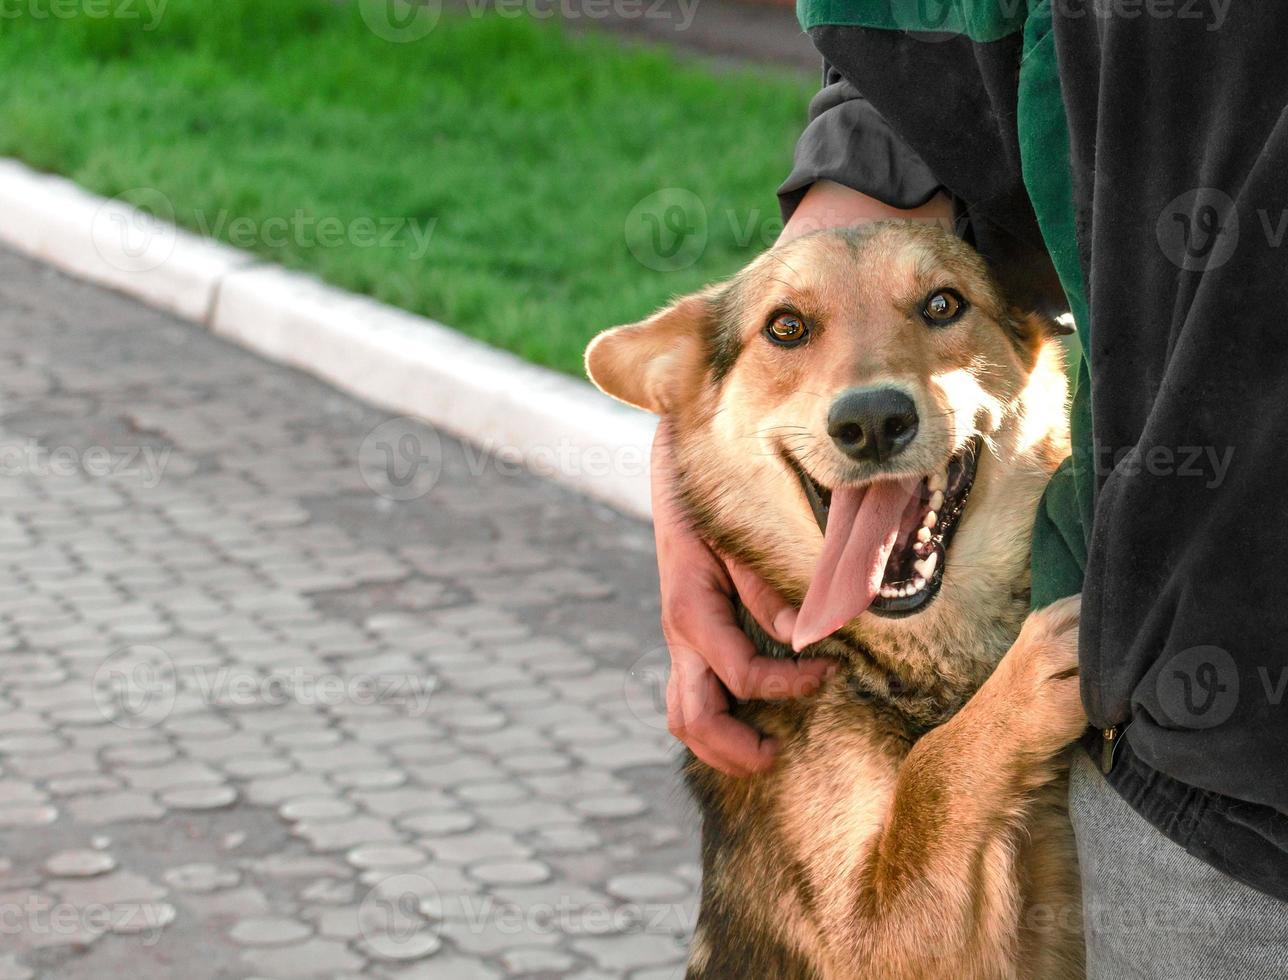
(848, 142)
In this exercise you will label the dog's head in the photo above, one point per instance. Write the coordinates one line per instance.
(861, 416)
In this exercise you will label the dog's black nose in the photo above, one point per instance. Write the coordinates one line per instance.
(872, 424)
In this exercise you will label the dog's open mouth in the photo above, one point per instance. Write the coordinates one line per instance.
(914, 542)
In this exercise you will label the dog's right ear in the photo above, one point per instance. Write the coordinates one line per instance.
(652, 364)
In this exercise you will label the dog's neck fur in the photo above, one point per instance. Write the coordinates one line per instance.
(925, 675)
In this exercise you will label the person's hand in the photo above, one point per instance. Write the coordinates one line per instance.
(711, 657)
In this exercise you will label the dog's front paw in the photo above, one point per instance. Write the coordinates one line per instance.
(1038, 680)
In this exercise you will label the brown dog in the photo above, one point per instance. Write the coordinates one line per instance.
(860, 417)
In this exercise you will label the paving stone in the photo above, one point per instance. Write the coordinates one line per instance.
(509, 872)
(446, 966)
(80, 784)
(400, 948)
(201, 879)
(339, 835)
(27, 815)
(268, 931)
(565, 840)
(311, 958)
(255, 767)
(539, 961)
(198, 797)
(115, 888)
(610, 807)
(316, 808)
(386, 856)
(439, 822)
(481, 845)
(79, 864)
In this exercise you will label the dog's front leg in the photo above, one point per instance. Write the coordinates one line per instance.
(940, 892)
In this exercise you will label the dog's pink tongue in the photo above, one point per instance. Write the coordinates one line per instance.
(862, 526)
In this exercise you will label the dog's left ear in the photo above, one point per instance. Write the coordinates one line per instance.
(652, 363)
(1034, 328)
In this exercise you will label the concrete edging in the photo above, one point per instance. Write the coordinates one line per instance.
(560, 427)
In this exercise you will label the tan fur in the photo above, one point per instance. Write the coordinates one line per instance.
(914, 824)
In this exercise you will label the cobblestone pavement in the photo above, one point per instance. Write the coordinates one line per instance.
(291, 689)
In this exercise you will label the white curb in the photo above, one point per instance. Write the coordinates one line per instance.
(559, 427)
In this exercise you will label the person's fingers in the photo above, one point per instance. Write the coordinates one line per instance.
(702, 621)
(776, 615)
(698, 711)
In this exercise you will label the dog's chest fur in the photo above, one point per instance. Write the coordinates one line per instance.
(778, 848)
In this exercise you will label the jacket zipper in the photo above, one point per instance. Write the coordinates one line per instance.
(1110, 739)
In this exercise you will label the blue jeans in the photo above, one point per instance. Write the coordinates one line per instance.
(1153, 912)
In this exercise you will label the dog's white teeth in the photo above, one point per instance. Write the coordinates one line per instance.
(923, 535)
(918, 583)
(938, 481)
(926, 566)
(930, 520)
(889, 592)
(937, 500)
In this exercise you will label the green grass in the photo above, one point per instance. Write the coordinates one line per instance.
(520, 150)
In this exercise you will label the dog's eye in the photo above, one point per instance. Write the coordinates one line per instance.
(943, 306)
(786, 329)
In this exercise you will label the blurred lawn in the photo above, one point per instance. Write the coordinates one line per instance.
(523, 153)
